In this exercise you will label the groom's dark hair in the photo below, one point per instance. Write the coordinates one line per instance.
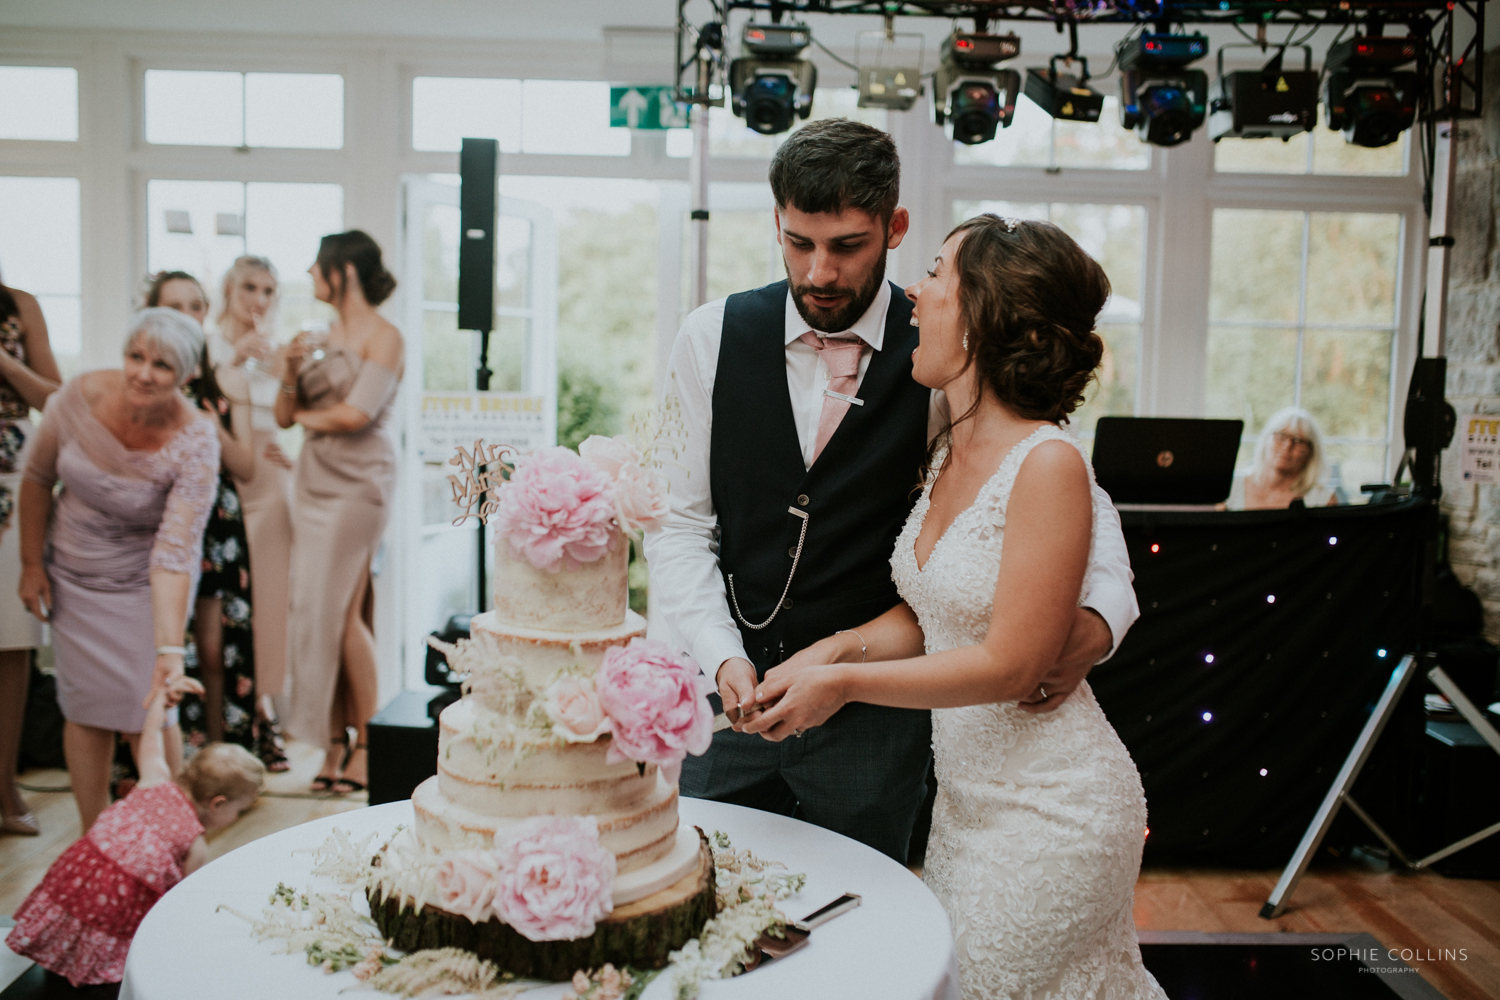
(833, 164)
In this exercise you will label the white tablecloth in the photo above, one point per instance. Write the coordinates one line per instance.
(896, 946)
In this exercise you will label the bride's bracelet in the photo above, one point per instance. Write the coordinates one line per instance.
(171, 651)
(864, 650)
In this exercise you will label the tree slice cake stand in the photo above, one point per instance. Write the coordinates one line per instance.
(639, 934)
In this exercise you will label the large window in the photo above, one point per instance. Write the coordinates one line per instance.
(526, 116)
(40, 253)
(1303, 312)
(213, 108)
(39, 103)
(1115, 236)
(202, 226)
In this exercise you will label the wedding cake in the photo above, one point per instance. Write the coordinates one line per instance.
(549, 839)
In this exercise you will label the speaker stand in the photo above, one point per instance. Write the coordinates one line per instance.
(1339, 794)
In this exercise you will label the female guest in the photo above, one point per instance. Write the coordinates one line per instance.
(28, 375)
(113, 561)
(221, 624)
(243, 355)
(339, 388)
(1288, 466)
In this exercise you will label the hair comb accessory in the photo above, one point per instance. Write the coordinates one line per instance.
(1010, 223)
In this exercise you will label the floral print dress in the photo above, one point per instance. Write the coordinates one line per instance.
(226, 576)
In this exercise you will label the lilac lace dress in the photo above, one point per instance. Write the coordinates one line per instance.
(1040, 819)
(120, 514)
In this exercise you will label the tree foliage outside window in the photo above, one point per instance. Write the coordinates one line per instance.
(1302, 311)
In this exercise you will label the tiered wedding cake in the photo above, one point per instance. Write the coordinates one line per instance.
(548, 840)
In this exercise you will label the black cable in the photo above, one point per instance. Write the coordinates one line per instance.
(834, 55)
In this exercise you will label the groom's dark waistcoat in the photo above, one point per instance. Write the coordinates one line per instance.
(856, 495)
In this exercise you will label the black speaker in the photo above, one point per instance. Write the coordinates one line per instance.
(1460, 795)
(478, 169)
(403, 742)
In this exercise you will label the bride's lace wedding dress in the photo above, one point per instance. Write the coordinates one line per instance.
(1040, 819)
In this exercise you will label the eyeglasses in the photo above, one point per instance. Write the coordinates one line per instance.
(1293, 440)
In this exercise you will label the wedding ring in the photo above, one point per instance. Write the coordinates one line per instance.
(1043, 691)
(797, 733)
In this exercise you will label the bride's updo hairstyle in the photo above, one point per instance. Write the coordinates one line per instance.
(1028, 296)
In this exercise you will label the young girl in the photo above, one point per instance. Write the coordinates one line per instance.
(79, 921)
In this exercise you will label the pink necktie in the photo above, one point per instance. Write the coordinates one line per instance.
(841, 357)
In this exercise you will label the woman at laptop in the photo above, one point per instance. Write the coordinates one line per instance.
(1288, 466)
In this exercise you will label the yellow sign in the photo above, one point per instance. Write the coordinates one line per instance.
(452, 420)
(1479, 448)
(1281, 87)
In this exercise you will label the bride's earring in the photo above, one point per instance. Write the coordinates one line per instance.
(966, 342)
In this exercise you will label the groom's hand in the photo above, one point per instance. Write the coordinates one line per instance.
(1088, 643)
(737, 682)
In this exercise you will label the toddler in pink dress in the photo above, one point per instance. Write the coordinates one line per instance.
(80, 920)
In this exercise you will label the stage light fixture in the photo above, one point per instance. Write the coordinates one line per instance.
(1064, 95)
(1160, 97)
(1364, 96)
(769, 84)
(971, 96)
(890, 69)
(1268, 103)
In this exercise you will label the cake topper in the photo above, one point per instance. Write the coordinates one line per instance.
(484, 468)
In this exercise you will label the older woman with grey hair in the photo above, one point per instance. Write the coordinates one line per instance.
(1288, 466)
(112, 560)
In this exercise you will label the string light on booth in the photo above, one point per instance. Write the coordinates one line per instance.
(1208, 658)
(1270, 598)
(1155, 548)
(1208, 716)
(1264, 772)
(1380, 653)
(1333, 539)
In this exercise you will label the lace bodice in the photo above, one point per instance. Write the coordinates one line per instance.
(1038, 828)
(122, 512)
(964, 565)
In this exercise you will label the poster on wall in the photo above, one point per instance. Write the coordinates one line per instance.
(1479, 448)
(453, 420)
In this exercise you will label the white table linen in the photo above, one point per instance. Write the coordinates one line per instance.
(897, 946)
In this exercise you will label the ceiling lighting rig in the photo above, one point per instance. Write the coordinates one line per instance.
(1375, 83)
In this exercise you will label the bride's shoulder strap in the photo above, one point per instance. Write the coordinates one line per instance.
(1010, 466)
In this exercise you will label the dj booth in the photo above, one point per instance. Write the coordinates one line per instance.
(1264, 640)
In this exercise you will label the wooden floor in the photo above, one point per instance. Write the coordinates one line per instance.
(1421, 911)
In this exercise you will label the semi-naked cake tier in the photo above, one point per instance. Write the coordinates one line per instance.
(496, 769)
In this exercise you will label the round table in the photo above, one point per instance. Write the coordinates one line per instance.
(897, 945)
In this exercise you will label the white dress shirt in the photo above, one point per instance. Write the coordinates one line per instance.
(689, 608)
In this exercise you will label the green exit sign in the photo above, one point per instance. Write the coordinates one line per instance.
(645, 108)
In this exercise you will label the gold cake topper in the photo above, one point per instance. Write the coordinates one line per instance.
(483, 468)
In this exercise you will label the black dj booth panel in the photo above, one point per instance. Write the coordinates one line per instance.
(1264, 640)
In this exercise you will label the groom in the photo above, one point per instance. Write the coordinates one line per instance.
(805, 439)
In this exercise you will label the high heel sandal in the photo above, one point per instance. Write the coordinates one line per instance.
(270, 747)
(325, 783)
(352, 785)
(24, 825)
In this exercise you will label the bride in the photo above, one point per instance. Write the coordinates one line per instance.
(1040, 819)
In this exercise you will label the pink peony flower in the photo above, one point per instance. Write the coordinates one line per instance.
(466, 882)
(556, 881)
(557, 510)
(573, 707)
(657, 705)
(640, 495)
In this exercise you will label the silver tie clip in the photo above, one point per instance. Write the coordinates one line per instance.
(848, 399)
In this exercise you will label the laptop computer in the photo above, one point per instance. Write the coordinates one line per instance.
(1166, 460)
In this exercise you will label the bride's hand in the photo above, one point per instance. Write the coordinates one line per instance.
(800, 699)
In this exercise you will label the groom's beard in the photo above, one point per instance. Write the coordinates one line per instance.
(839, 318)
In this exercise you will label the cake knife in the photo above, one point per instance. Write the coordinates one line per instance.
(799, 931)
